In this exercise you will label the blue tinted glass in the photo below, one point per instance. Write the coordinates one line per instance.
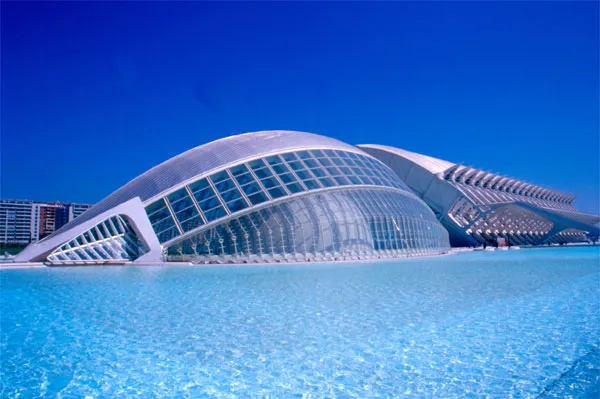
(273, 160)
(317, 153)
(245, 178)
(209, 203)
(177, 195)
(270, 182)
(215, 213)
(294, 188)
(303, 154)
(325, 161)
(377, 181)
(182, 204)
(329, 153)
(332, 171)
(338, 161)
(155, 206)
(353, 155)
(345, 170)
(354, 180)
(327, 182)
(311, 184)
(224, 185)
(277, 192)
(257, 198)
(311, 163)
(357, 171)
(187, 213)
(296, 165)
(237, 205)
(231, 195)
(256, 164)
(199, 185)
(287, 178)
(342, 181)
(164, 224)
(204, 194)
(303, 174)
(238, 170)
(159, 215)
(279, 169)
(191, 224)
(342, 154)
(251, 188)
(289, 156)
(319, 172)
(262, 173)
(217, 177)
(369, 172)
(167, 235)
(365, 180)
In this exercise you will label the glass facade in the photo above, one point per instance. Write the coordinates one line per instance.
(344, 224)
(260, 180)
(111, 240)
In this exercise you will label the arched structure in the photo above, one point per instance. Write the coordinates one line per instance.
(478, 206)
(265, 196)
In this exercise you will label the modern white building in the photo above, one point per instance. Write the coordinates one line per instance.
(272, 196)
(478, 207)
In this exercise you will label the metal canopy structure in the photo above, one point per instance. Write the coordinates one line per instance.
(479, 207)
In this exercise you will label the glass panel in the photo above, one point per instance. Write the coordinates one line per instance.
(256, 164)
(304, 175)
(167, 235)
(319, 172)
(311, 184)
(217, 177)
(270, 182)
(204, 194)
(277, 192)
(303, 154)
(311, 163)
(296, 165)
(245, 178)
(289, 156)
(327, 182)
(280, 169)
(163, 224)
(251, 188)
(209, 203)
(163, 213)
(342, 181)
(237, 205)
(287, 178)
(273, 160)
(199, 185)
(224, 185)
(262, 173)
(192, 223)
(215, 213)
(231, 195)
(155, 206)
(294, 188)
(187, 213)
(317, 153)
(238, 170)
(182, 204)
(177, 195)
(257, 198)
(325, 161)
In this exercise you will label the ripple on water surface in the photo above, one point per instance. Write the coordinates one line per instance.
(510, 324)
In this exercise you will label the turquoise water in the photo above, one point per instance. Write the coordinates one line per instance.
(522, 324)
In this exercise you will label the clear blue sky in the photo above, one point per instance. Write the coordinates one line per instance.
(94, 94)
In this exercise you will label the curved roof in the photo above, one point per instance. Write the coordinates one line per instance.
(205, 158)
(431, 164)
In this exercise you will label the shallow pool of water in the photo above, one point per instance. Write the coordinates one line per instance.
(521, 324)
